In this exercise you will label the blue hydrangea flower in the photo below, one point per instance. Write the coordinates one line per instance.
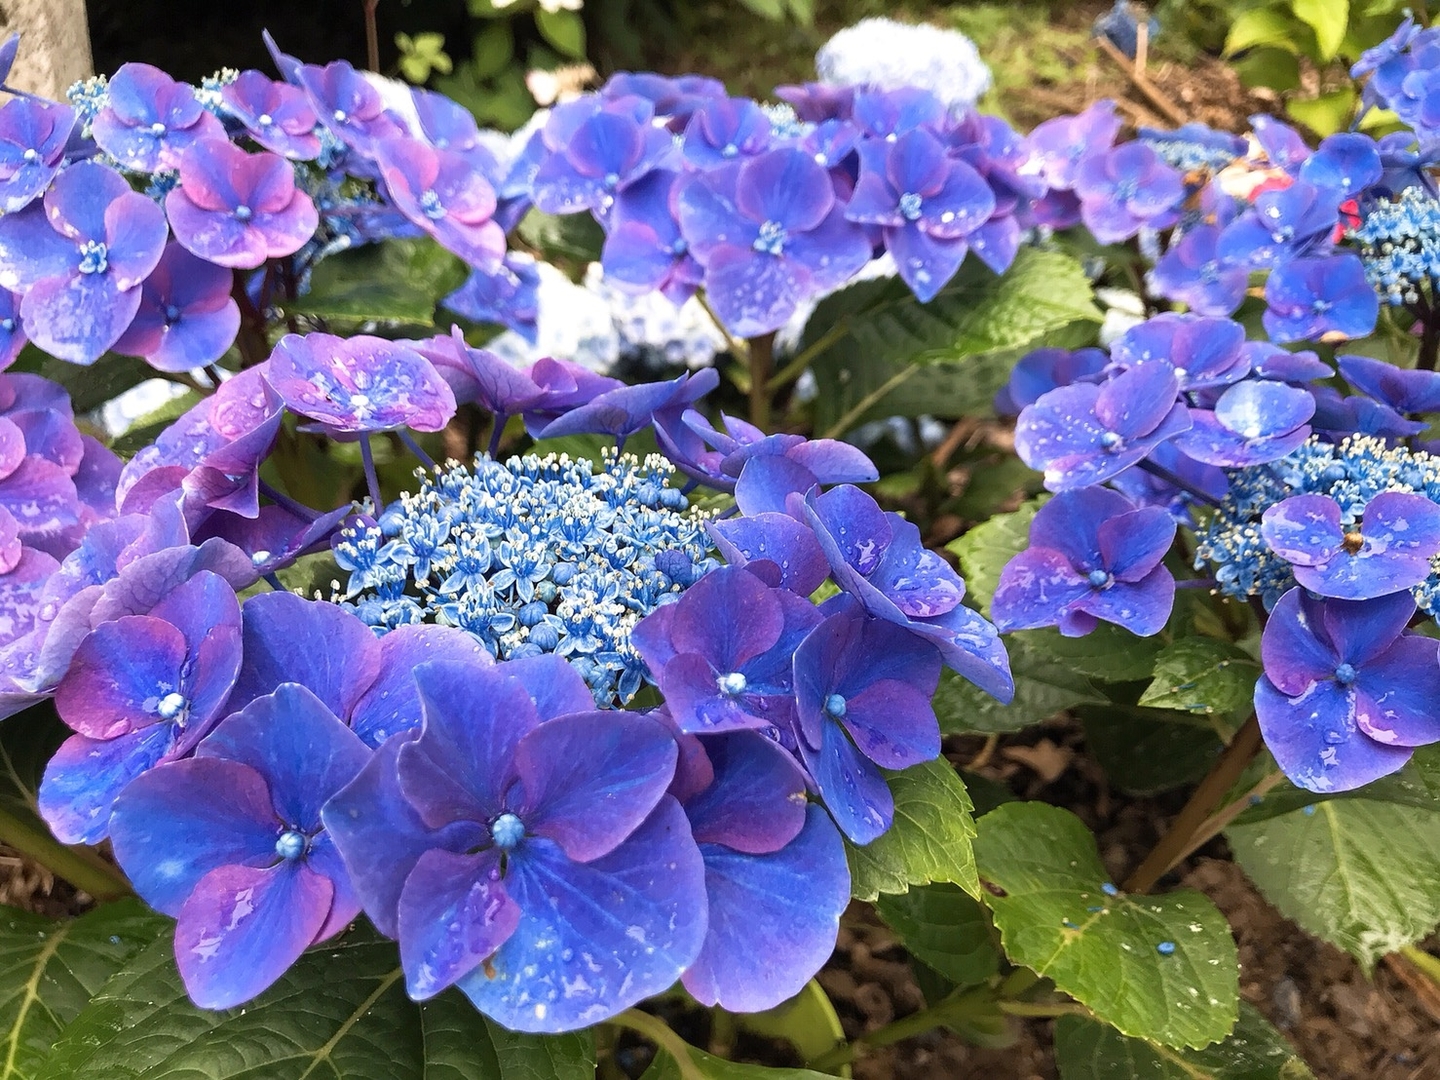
(276, 115)
(724, 129)
(1283, 224)
(508, 296)
(1125, 189)
(187, 316)
(526, 849)
(1346, 693)
(1406, 391)
(597, 148)
(1092, 556)
(1193, 272)
(33, 138)
(1045, 369)
(443, 193)
(536, 555)
(1202, 352)
(230, 842)
(149, 120)
(644, 248)
(1253, 422)
(1309, 298)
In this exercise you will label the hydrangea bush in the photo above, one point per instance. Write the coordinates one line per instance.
(456, 709)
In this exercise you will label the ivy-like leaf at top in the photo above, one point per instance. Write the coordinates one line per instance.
(1162, 968)
(340, 1012)
(1087, 1050)
(929, 841)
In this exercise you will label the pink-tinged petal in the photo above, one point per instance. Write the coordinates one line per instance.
(779, 539)
(243, 927)
(773, 918)
(182, 820)
(454, 914)
(755, 625)
(216, 236)
(893, 724)
(592, 778)
(135, 239)
(755, 802)
(77, 318)
(1316, 742)
(120, 675)
(697, 704)
(786, 187)
(76, 203)
(84, 777)
(392, 703)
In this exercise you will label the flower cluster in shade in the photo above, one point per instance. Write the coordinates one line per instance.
(1295, 494)
(533, 555)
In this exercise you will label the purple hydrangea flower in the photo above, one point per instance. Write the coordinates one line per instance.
(645, 250)
(187, 317)
(1282, 144)
(1125, 189)
(1202, 352)
(721, 654)
(1283, 224)
(1253, 422)
(770, 233)
(230, 843)
(1193, 272)
(508, 296)
(775, 874)
(877, 557)
(724, 129)
(150, 120)
(1386, 551)
(359, 384)
(443, 193)
(276, 115)
(1406, 391)
(1042, 370)
(1056, 146)
(1085, 434)
(628, 409)
(927, 204)
(12, 333)
(140, 689)
(1092, 556)
(346, 103)
(480, 376)
(78, 258)
(862, 690)
(888, 114)
(1346, 692)
(524, 847)
(1344, 165)
(33, 137)
(237, 209)
(777, 548)
(1310, 298)
(598, 147)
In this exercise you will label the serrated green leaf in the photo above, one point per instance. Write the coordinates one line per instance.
(340, 1012)
(1362, 873)
(1202, 675)
(944, 928)
(1109, 652)
(984, 550)
(563, 29)
(1087, 1050)
(1106, 951)
(1146, 751)
(397, 281)
(1416, 785)
(1327, 113)
(1044, 685)
(1328, 18)
(49, 971)
(968, 336)
(929, 841)
(714, 1068)
(1261, 26)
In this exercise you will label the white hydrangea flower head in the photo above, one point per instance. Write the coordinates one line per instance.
(886, 54)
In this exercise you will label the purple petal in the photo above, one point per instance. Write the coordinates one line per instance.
(776, 538)
(786, 187)
(766, 483)
(1138, 401)
(84, 777)
(856, 524)
(1316, 742)
(729, 617)
(77, 318)
(855, 793)
(119, 676)
(773, 918)
(1133, 544)
(1293, 649)
(391, 705)
(454, 914)
(926, 262)
(596, 937)
(1037, 587)
(754, 292)
(1396, 696)
(243, 927)
(1304, 529)
(756, 800)
(1142, 607)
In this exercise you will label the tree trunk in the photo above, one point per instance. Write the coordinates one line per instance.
(54, 44)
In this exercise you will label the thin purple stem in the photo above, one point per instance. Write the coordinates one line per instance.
(367, 459)
(496, 431)
(281, 499)
(1178, 481)
(415, 448)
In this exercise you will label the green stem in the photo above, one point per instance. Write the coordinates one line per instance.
(954, 1007)
(846, 422)
(79, 866)
(1429, 965)
(660, 1033)
(796, 367)
(762, 358)
(1043, 1010)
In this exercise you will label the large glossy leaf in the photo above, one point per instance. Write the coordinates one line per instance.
(1045, 684)
(1145, 751)
(1202, 675)
(929, 841)
(1087, 1050)
(967, 337)
(341, 1012)
(946, 929)
(1362, 873)
(1162, 968)
(49, 971)
(398, 281)
(714, 1068)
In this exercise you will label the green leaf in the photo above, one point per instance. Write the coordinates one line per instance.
(563, 29)
(714, 1068)
(1275, 68)
(572, 237)
(395, 281)
(1362, 873)
(985, 549)
(1109, 652)
(1044, 887)
(1325, 114)
(945, 929)
(50, 970)
(1262, 26)
(929, 841)
(1087, 1050)
(807, 1021)
(1044, 685)
(88, 387)
(1146, 751)
(492, 48)
(1202, 675)
(968, 336)
(341, 1011)
(1328, 18)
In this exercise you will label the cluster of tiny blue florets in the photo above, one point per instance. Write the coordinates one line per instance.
(87, 97)
(1190, 155)
(1400, 244)
(534, 555)
(1352, 473)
